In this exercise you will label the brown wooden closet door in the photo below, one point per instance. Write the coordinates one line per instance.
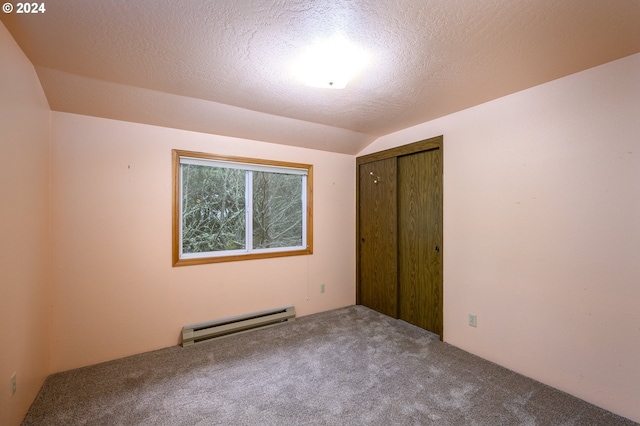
(420, 239)
(377, 267)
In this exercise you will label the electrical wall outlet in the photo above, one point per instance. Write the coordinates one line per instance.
(12, 384)
(321, 288)
(473, 320)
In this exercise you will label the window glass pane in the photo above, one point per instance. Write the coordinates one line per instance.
(213, 209)
(277, 210)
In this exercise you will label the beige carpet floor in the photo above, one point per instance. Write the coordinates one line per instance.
(350, 366)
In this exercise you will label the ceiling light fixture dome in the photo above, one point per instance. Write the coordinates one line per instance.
(330, 63)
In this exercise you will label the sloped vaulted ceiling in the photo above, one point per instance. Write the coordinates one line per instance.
(224, 66)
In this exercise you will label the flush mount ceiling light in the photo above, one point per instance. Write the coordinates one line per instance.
(330, 63)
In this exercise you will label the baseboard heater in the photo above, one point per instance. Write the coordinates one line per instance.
(205, 331)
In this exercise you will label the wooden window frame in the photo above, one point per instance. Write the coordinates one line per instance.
(178, 260)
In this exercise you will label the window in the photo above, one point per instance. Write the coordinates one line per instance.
(228, 208)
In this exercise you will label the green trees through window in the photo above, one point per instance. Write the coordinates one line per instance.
(237, 208)
(213, 209)
(277, 210)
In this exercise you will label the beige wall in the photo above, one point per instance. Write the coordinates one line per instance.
(542, 231)
(114, 291)
(24, 230)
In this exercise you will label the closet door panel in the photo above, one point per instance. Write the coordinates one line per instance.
(378, 250)
(419, 239)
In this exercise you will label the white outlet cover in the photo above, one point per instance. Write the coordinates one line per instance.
(473, 320)
(12, 384)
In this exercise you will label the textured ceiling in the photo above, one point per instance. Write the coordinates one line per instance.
(223, 66)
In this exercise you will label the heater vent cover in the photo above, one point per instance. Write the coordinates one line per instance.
(204, 331)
